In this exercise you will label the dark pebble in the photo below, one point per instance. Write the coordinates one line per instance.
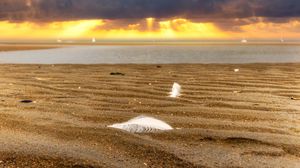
(26, 101)
(117, 73)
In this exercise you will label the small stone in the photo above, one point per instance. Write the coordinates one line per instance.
(117, 73)
(26, 101)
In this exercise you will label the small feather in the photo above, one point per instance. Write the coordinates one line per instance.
(175, 90)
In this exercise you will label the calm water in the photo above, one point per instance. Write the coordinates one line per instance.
(157, 54)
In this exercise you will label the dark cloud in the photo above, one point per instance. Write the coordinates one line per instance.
(49, 10)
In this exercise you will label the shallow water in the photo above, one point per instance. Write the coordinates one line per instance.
(157, 54)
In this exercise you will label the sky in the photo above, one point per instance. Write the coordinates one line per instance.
(150, 19)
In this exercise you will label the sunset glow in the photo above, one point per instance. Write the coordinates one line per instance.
(149, 19)
(148, 28)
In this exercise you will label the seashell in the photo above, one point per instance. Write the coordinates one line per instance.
(142, 124)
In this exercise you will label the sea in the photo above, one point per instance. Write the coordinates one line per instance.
(206, 53)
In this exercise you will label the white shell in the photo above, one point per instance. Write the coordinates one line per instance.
(236, 70)
(142, 124)
(175, 90)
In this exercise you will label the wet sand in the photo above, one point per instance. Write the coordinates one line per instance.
(159, 54)
(20, 47)
(225, 119)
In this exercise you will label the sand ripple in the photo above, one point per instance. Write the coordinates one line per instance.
(225, 118)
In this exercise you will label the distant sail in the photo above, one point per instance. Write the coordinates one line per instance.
(244, 41)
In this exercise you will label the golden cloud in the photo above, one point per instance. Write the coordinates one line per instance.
(148, 28)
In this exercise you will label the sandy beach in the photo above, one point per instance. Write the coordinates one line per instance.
(149, 84)
(249, 118)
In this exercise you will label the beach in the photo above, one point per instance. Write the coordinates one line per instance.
(249, 118)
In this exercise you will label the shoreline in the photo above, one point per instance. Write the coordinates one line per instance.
(175, 43)
(25, 47)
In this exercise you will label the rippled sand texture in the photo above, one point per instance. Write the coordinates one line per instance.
(225, 118)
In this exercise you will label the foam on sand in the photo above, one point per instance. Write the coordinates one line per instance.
(142, 124)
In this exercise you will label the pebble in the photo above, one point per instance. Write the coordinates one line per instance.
(26, 101)
(117, 73)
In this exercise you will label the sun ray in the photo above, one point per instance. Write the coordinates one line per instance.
(150, 28)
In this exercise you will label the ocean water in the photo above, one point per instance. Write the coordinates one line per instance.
(160, 54)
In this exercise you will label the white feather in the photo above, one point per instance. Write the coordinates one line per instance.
(142, 124)
(175, 90)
